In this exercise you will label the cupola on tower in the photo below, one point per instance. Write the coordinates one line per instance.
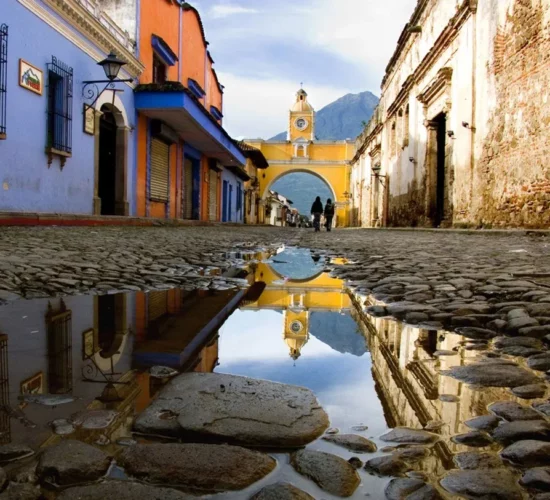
(302, 119)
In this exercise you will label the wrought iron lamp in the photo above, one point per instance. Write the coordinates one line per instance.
(111, 65)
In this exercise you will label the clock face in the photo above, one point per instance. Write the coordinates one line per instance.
(296, 326)
(301, 123)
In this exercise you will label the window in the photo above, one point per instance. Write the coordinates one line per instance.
(393, 139)
(239, 197)
(159, 70)
(59, 337)
(3, 78)
(406, 125)
(60, 109)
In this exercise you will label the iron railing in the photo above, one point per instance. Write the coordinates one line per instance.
(60, 107)
(3, 78)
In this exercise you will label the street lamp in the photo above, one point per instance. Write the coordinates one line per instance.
(111, 65)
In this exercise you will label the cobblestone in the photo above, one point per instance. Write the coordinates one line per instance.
(410, 271)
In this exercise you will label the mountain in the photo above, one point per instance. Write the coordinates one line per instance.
(302, 188)
(342, 119)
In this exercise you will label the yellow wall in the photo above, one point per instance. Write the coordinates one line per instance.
(336, 175)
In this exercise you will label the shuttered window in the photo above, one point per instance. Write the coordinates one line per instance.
(213, 196)
(188, 189)
(157, 305)
(160, 166)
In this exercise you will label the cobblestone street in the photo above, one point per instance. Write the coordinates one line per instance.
(461, 279)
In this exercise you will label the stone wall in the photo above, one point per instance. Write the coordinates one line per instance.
(486, 67)
(513, 181)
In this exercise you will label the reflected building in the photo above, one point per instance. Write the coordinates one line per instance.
(409, 382)
(297, 298)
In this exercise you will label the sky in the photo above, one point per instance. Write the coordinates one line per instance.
(264, 49)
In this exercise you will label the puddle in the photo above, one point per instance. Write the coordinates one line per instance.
(82, 365)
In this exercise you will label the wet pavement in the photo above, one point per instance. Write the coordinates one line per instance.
(82, 366)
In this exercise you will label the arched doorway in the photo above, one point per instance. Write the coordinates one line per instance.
(107, 161)
(110, 196)
(302, 187)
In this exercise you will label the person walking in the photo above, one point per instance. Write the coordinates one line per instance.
(317, 211)
(329, 214)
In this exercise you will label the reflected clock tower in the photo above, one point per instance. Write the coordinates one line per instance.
(296, 331)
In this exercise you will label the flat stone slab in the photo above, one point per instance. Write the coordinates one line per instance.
(21, 492)
(502, 342)
(197, 468)
(72, 462)
(533, 391)
(478, 439)
(281, 491)
(512, 411)
(483, 423)
(94, 419)
(520, 430)
(330, 472)
(12, 452)
(537, 478)
(387, 465)
(352, 442)
(122, 490)
(539, 362)
(409, 488)
(474, 460)
(472, 332)
(485, 483)
(528, 452)
(492, 375)
(233, 409)
(404, 435)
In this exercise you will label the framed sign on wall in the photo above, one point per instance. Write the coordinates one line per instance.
(30, 77)
(89, 119)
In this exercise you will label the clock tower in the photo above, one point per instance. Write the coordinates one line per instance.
(302, 120)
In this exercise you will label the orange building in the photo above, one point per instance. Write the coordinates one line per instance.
(182, 147)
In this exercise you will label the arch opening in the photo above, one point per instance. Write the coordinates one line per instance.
(301, 187)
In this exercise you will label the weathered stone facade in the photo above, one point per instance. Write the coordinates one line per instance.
(460, 137)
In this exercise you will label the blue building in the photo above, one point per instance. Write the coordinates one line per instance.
(58, 154)
(233, 179)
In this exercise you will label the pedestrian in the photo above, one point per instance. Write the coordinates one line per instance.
(329, 214)
(317, 211)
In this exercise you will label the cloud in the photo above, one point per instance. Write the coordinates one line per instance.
(335, 47)
(224, 10)
(258, 107)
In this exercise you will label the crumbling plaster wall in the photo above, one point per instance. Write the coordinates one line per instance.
(512, 181)
(123, 13)
(406, 164)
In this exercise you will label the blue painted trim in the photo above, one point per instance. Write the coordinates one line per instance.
(192, 152)
(177, 360)
(152, 101)
(195, 87)
(163, 50)
(216, 113)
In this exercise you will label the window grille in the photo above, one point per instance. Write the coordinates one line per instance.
(3, 78)
(60, 108)
(60, 346)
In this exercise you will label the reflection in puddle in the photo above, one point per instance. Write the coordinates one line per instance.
(84, 366)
